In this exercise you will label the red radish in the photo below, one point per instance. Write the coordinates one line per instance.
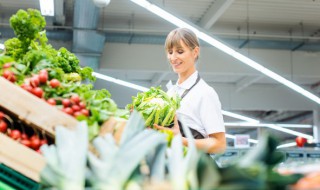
(3, 126)
(26, 142)
(51, 101)
(75, 99)
(15, 134)
(54, 83)
(37, 92)
(66, 103)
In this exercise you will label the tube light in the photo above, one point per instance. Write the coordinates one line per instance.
(180, 23)
(248, 124)
(238, 116)
(287, 145)
(47, 7)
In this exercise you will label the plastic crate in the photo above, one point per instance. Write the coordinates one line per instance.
(16, 180)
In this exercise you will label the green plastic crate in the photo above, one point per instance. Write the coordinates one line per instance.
(15, 180)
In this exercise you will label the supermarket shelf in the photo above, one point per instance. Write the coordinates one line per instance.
(32, 110)
(20, 158)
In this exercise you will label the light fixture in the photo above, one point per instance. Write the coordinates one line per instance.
(233, 137)
(248, 124)
(47, 7)
(287, 145)
(210, 40)
(241, 117)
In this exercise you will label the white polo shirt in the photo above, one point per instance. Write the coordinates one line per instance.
(200, 109)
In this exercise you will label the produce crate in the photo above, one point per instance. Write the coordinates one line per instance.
(32, 110)
(20, 158)
(11, 179)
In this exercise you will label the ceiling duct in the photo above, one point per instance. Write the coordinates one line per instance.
(87, 43)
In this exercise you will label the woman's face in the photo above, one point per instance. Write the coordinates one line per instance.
(182, 58)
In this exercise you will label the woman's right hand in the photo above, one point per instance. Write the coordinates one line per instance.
(175, 129)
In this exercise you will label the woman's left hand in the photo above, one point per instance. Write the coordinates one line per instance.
(175, 129)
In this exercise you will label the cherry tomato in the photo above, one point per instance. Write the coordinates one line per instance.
(301, 141)
(54, 83)
(6, 65)
(75, 99)
(82, 105)
(68, 110)
(3, 126)
(35, 143)
(75, 108)
(24, 136)
(34, 81)
(27, 87)
(26, 142)
(15, 134)
(37, 92)
(51, 101)
(43, 77)
(66, 103)
(85, 112)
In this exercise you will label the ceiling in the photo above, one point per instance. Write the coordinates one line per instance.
(290, 26)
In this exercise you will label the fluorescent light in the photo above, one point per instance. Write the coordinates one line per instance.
(309, 137)
(238, 116)
(248, 124)
(121, 82)
(47, 7)
(180, 23)
(287, 145)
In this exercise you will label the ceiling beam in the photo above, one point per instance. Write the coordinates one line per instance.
(247, 81)
(214, 13)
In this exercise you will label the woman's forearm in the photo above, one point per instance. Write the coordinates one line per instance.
(210, 145)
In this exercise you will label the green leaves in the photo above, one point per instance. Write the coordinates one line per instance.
(156, 106)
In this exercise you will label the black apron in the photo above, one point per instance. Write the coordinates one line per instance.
(195, 133)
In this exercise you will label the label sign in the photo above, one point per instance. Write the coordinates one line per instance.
(241, 141)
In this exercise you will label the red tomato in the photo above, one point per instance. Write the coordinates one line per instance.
(75, 108)
(3, 126)
(15, 134)
(43, 71)
(85, 112)
(26, 142)
(34, 137)
(68, 110)
(35, 143)
(27, 87)
(75, 99)
(43, 77)
(6, 65)
(37, 92)
(24, 136)
(66, 103)
(51, 101)
(82, 105)
(54, 83)
(77, 113)
(9, 75)
(34, 81)
(301, 141)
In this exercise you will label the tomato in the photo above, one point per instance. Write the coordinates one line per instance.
(43, 71)
(75, 108)
(1, 115)
(15, 134)
(75, 99)
(43, 77)
(35, 143)
(77, 113)
(9, 75)
(34, 81)
(68, 110)
(6, 65)
(3, 126)
(66, 103)
(301, 141)
(26, 142)
(82, 105)
(85, 112)
(27, 87)
(54, 83)
(24, 136)
(51, 101)
(37, 92)
(34, 137)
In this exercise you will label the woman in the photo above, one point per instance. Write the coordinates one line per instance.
(200, 108)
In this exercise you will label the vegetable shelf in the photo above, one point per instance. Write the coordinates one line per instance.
(31, 109)
(21, 158)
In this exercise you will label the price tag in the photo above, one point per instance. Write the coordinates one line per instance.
(241, 141)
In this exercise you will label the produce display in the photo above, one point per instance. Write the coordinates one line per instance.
(156, 106)
(53, 75)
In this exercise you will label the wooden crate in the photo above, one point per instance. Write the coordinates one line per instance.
(21, 158)
(31, 109)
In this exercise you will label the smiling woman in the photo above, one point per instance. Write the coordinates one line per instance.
(200, 108)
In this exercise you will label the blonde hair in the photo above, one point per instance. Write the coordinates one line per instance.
(186, 35)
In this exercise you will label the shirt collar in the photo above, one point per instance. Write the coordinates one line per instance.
(189, 82)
